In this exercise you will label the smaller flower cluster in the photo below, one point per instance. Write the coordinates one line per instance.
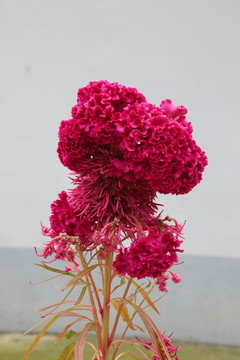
(61, 247)
(172, 350)
(67, 230)
(65, 220)
(152, 254)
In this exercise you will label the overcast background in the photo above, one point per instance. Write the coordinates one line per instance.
(184, 50)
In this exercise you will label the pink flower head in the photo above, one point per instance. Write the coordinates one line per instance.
(103, 199)
(151, 255)
(61, 248)
(64, 220)
(66, 230)
(172, 350)
(114, 132)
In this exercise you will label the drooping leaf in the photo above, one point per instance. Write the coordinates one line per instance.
(79, 348)
(156, 336)
(62, 301)
(70, 334)
(122, 282)
(146, 297)
(43, 281)
(39, 336)
(78, 277)
(81, 295)
(55, 270)
(68, 352)
(128, 354)
(117, 304)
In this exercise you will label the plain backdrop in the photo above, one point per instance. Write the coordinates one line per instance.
(184, 50)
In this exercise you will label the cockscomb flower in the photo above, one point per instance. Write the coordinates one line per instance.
(64, 220)
(151, 255)
(67, 231)
(62, 247)
(114, 132)
(172, 350)
(102, 199)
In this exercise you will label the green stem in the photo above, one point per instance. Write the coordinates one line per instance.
(119, 310)
(95, 316)
(106, 305)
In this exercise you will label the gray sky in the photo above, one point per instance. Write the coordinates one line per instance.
(185, 50)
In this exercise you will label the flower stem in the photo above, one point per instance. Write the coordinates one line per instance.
(120, 309)
(95, 316)
(106, 306)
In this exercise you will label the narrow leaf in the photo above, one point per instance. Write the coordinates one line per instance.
(81, 342)
(77, 277)
(122, 282)
(124, 312)
(157, 337)
(68, 352)
(81, 295)
(128, 354)
(70, 334)
(54, 270)
(39, 336)
(145, 296)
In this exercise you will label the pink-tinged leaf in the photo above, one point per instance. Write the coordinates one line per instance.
(156, 336)
(78, 277)
(54, 270)
(51, 306)
(34, 327)
(81, 295)
(128, 354)
(62, 301)
(64, 332)
(146, 296)
(120, 306)
(38, 337)
(68, 352)
(81, 341)
(134, 344)
(43, 281)
(122, 282)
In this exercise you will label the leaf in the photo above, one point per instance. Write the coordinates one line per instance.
(156, 336)
(39, 336)
(81, 295)
(146, 297)
(54, 270)
(43, 281)
(77, 277)
(122, 282)
(81, 341)
(127, 353)
(68, 352)
(70, 334)
(124, 312)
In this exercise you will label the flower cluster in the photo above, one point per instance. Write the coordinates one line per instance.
(65, 220)
(61, 247)
(152, 255)
(151, 143)
(172, 350)
(103, 199)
